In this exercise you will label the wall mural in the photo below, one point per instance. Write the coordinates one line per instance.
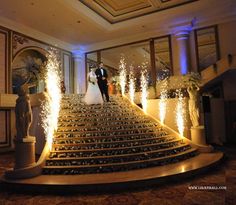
(28, 68)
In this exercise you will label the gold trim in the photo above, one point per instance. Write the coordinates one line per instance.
(116, 18)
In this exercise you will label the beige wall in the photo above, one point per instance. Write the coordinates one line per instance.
(3, 42)
(170, 119)
(227, 38)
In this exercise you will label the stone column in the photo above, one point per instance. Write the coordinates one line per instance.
(182, 40)
(79, 74)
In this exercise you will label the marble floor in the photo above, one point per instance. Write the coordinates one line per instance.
(173, 193)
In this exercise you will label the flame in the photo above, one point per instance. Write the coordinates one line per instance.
(163, 101)
(180, 113)
(144, 87)
(122, 68)
(131, 85)
(53, 96)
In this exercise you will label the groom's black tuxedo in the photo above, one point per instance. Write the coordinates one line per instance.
(101, 74)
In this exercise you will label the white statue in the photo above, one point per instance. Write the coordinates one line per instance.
(23, 113)
(193, 104)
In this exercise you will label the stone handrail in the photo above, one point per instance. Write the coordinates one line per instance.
(220, 67)
(8, 101)
(201, 148)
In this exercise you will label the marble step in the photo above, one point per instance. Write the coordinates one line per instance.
(126, 143)
(68, 105)
(101, 115)
(111, 133)
(74, 118)
(107, 128)
(125, 149)
(120, 139)
(124, 166)
(113, 159)
(168, 145)
(103, 123)
(121, 135)
(98, 114)
(112, 126)
(104, 110)
(81, 107)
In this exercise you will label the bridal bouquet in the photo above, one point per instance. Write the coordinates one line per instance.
(93, 80)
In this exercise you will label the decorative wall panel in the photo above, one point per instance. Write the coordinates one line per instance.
(4, 131)
(3, 61)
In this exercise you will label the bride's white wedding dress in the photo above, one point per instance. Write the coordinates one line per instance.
(93, 94)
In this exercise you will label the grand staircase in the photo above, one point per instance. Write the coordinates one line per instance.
(113, 137)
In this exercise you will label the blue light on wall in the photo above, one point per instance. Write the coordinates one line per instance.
(183, 63)
(182, 38)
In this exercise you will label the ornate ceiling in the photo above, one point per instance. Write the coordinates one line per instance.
(72, 25)
(115, 11)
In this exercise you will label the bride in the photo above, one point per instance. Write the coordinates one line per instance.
(93, 94)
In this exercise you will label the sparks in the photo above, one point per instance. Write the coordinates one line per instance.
(122, 68)
(144, 87)
(131, 84)
(180, 113)
(51, 105)
(163, 101)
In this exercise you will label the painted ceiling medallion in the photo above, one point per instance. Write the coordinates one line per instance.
(115, 11)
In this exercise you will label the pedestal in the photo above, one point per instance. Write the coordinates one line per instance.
(24, 152)
(198, 135)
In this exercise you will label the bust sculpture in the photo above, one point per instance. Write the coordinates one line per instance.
(23, 113)
(193, 91)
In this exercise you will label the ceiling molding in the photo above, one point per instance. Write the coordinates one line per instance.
(69, 23)
(115, 11)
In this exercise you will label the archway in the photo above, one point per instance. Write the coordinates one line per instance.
(28, 67)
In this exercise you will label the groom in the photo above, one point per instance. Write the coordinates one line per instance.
(101, 74)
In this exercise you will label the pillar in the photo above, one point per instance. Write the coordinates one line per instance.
(183, 53)
(153, 62)
(79, 74)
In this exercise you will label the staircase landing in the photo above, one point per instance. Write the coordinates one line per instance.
(120, 180)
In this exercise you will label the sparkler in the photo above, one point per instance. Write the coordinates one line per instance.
(144, 87)
(163, 99)
(131, 84)
(122, 68)
(51, 105)
(180, 112)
